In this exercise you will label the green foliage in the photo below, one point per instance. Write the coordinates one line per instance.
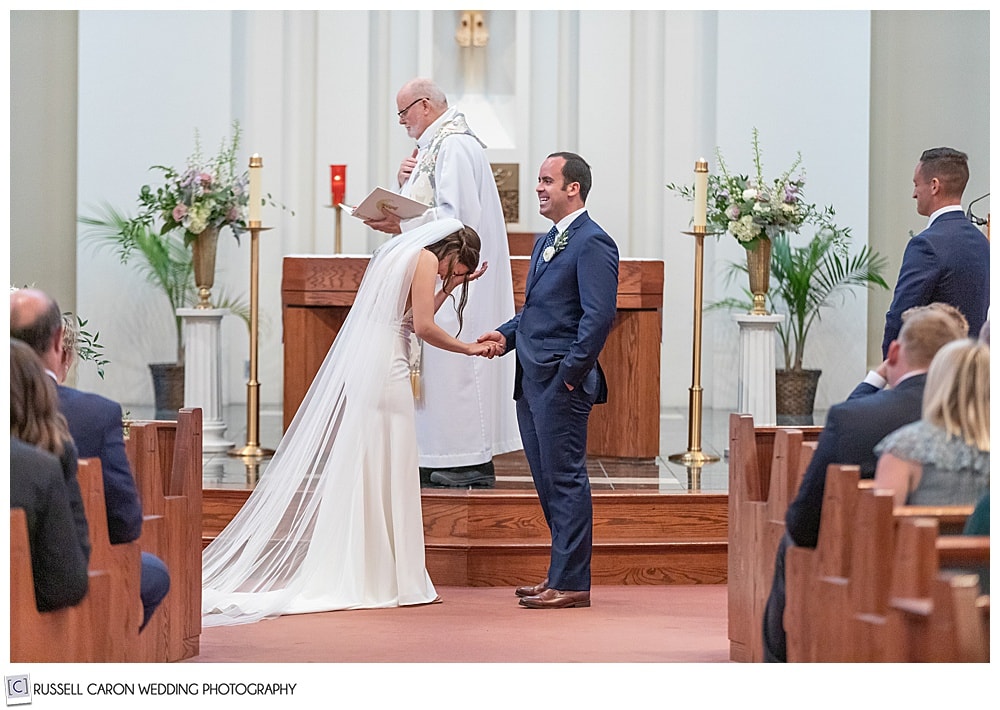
(162, 258)
(809, 278)
(88, 346)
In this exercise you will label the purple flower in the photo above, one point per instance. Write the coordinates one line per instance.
(791, 193)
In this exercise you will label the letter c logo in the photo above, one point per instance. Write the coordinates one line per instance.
(17, 686)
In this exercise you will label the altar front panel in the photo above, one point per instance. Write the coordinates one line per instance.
(317, 293)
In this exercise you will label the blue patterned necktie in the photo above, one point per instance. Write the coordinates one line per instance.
(550, 239)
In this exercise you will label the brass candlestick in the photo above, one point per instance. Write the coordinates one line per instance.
(337, 245)
(694, 456)
(253, 448)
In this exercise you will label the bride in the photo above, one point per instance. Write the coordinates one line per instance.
(335, 521)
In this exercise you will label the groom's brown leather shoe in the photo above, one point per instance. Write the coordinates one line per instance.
(533, 589)
(554, 599)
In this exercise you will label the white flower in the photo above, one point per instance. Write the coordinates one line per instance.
(557, 246)
(749, 195)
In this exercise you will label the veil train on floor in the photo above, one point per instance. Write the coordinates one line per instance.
(297, 544)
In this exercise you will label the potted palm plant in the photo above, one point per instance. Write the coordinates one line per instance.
(803, 281)
(172, 243)
(167, 265)
(798, 281)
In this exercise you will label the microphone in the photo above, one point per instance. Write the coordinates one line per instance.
(978, 221)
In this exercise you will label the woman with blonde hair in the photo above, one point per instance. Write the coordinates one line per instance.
(944, 458)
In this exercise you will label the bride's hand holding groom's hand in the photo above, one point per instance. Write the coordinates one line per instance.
(488, 350)
(495, 341)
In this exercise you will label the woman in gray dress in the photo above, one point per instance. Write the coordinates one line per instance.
(944, 458)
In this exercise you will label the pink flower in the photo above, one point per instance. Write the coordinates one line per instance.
(179, 211)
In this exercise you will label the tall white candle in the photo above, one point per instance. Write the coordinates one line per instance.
(700, 193)
(256, 165)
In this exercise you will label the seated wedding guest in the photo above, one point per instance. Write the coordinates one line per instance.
(889, 398)
(95, 424)
(41, 485)
(979, 524)
(944, 458)
(35, 419)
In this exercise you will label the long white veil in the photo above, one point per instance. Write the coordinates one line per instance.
(262, 563)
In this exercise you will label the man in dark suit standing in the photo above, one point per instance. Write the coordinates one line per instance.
(850, 434)
(95, 424)
(569, 307)
(948, 262)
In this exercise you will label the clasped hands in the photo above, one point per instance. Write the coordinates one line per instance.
(490, 344)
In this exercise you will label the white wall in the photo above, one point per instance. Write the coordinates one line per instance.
(802, 78)
(147, 81)
(640, 94)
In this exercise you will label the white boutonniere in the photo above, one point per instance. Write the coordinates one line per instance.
(557, 246)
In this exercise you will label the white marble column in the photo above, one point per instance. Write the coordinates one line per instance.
(203, 373)
(756, 383)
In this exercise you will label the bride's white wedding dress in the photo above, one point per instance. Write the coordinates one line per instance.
(335, 520)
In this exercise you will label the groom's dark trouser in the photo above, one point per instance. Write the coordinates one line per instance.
(553, 425)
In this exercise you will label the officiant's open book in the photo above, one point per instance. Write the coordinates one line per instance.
(379, 198)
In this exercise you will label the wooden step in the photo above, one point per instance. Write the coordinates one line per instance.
(486, 538)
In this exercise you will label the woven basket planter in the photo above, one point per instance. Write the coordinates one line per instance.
(795, 392)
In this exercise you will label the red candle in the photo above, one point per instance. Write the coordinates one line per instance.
(338, 183)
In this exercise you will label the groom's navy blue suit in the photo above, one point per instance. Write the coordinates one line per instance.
(569, 308)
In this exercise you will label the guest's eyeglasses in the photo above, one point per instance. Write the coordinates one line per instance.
(402, 114)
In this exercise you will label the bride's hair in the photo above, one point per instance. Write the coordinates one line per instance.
(464, 245)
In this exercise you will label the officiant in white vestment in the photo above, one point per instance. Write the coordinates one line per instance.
(465, 413)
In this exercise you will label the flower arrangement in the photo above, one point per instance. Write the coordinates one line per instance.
(557, 246)
(751, 208)
(207, 193)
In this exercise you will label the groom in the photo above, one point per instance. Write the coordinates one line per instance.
(569, 307)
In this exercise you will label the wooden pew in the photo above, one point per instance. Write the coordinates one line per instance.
(934, 612)
(104, 627)
(816, 578)
(166, 460)
(870, 559)
(765, 468)
(60, 636)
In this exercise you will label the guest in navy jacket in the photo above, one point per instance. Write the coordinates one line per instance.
(948, 262)
(95, 424)
(850, 434)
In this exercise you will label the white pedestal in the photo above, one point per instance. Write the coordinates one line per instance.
(756, 385)
(202, 373)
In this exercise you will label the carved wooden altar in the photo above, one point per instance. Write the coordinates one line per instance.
(317, 293)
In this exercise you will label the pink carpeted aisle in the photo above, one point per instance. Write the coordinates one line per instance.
(625, 624)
